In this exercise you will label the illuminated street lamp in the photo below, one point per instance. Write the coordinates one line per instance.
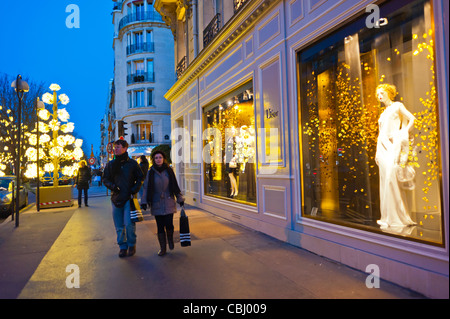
(20, 87)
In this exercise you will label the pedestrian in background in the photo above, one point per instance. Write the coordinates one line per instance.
(82, 182)
(160, 189)
(144, 165)
(124, 178)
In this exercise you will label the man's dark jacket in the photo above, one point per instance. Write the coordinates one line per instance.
(123, 177)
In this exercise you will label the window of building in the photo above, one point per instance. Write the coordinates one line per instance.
(144, 132)
(129, 68)
(129, 39)
(139, 98)
(139, 9)
(230, 148)
(365, 163)
(139, 67)
(150, 70)
(130, 99)
(149, 36)
(138, 40)
(150, 97)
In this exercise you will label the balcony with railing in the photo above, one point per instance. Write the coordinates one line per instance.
(141, 77)
(140, 16)
(181, 67)
(141, 47)
(211, 30)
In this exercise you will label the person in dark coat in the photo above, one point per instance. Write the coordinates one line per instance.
(82, 182)
(124, 178)
(160, 189)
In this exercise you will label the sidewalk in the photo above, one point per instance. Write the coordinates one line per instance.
(225, 261)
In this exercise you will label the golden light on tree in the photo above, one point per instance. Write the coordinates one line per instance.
(58, 152)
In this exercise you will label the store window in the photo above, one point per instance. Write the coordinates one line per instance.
(230, 148)
(369, 129)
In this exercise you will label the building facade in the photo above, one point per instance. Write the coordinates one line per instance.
(143, 72)
(282, 126)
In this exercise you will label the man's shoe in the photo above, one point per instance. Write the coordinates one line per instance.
(86, 205)
(131, 251)
(122, 253)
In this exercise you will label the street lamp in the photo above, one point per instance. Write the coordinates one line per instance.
(20, 87)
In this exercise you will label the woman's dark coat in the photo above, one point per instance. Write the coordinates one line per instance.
(83, 177)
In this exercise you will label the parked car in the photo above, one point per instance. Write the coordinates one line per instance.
(49, 182)
(6, 189)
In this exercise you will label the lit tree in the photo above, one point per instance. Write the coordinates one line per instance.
(58, 152)
(8, 122)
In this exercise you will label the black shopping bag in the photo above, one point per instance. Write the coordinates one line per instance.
(135, 210)
(185, 235)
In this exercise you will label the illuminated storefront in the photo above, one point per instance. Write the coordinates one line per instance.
(230, 170)
(361, 166)
(323, 124)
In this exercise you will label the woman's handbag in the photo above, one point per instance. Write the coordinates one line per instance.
(185, 235)
(135, 211)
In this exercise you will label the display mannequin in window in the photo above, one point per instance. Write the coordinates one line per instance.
(395, 125)
(231, 165)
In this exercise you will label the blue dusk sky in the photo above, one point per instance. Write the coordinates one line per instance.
(36, 43)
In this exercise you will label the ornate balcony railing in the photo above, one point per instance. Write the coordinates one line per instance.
(211, 30)
(140, 16)
(181, 66)
(141, 77)
(239, 4)
(141, 47)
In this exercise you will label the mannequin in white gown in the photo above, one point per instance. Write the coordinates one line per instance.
(395, 125)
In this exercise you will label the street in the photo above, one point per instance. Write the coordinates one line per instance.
(71, 253)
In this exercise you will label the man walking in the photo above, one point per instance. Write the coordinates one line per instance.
(124, 178)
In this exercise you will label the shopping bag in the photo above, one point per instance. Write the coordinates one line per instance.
(135, 211)
(185, 235)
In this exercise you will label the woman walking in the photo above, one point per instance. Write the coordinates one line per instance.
(160, 190)
(82, 182)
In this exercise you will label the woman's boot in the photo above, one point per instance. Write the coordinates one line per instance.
(162, 244)
(170, 238)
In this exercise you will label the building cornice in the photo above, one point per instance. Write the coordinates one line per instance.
(226, 38)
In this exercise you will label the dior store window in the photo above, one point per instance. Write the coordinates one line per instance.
(230, 148)
(368, 115)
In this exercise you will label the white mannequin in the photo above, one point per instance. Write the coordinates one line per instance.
(395, 125)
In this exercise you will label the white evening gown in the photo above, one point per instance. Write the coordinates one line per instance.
(393, 208)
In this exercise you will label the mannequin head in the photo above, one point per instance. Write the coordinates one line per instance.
(386, 92)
